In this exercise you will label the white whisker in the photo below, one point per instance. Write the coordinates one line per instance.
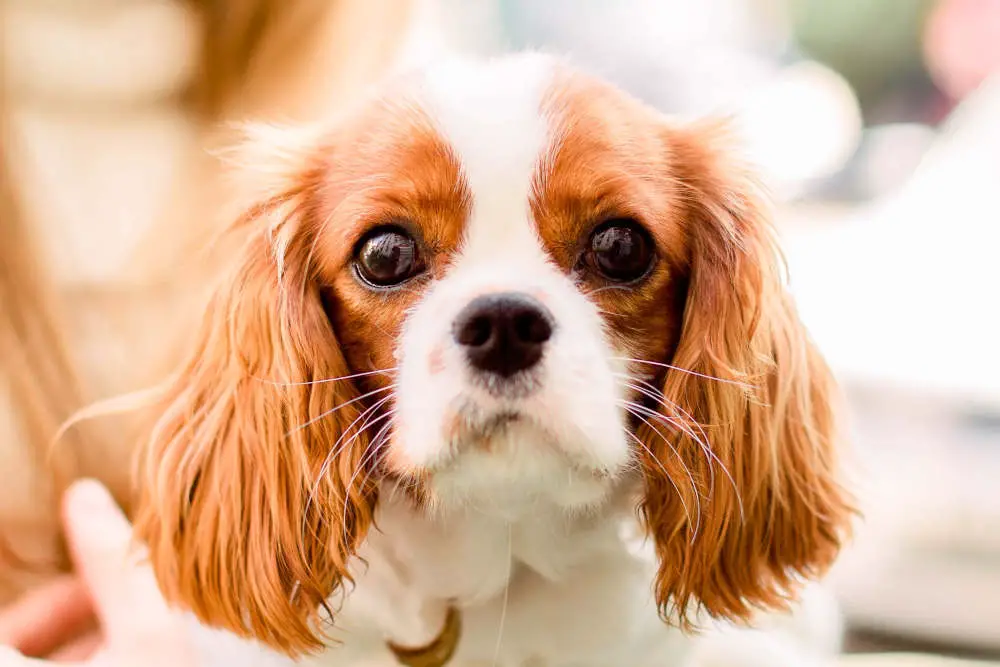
(334, 451)
(395, 489)
(275, 383)
(638, 440)
(606, 288)
(671, 367)
(675, 421)
(703, 443)
(687, 471)
(506, 594)
(327, 413)
(372, 451)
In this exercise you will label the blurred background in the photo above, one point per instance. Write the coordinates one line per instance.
(876, 122)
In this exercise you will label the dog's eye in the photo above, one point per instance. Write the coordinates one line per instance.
(388, 256)
(620, 250)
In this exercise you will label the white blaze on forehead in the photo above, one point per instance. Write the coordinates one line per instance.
(490, 113)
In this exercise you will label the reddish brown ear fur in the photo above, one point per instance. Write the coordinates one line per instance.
(227, 475)
(769, 507)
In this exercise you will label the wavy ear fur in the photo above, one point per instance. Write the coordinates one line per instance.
(231, 482)
(764, 506)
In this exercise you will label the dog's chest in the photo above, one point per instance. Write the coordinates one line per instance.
(544, 591)
(471, 557)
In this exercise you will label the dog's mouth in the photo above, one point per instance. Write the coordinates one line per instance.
(500, 421)
(480, 433)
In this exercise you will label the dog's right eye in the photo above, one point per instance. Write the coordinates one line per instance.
(388, 256)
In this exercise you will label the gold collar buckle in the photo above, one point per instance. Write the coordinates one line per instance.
(439, 652)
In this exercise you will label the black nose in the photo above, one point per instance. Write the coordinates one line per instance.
(503, 333)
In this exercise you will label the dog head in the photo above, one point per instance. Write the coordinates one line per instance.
(494, 282)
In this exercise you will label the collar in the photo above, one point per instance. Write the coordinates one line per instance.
(439, 652)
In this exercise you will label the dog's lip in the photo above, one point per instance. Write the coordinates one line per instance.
(474, 427)
(517, 387)
(476, 436)
(503, 418)
(490, 425)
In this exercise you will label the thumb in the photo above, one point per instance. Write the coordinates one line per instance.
(125, 594)
(10, 657)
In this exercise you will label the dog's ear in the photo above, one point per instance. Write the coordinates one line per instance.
(250, 514)
(754, 402)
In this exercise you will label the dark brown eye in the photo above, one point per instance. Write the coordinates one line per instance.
(620, 250)
(388, 256)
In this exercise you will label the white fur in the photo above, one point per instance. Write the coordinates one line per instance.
(525, 537)
(490, 115)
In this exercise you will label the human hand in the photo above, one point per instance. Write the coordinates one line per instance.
(111, 615)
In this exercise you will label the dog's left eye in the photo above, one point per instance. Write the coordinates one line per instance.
(388, 256)
(620, 250)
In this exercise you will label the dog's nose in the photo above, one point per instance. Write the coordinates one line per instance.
(503, 333)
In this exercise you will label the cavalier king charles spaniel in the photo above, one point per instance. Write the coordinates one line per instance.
(485, 334)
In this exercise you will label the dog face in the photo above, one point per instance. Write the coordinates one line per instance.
(492, 283)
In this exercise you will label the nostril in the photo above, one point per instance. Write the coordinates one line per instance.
(503, 334)
(475, 332)
(532, 327)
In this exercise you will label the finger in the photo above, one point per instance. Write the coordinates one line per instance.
(10, 657)
(125, 595)
(47, 617)
(79, 650)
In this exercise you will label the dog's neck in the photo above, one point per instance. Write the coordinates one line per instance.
(534, 532)
(421, 561)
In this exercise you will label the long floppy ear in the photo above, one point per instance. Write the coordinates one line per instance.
(248, 522)
(761, 504)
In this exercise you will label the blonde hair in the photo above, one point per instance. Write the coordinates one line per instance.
(36, 363)
(250, 51)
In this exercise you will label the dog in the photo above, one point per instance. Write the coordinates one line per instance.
(505, 373)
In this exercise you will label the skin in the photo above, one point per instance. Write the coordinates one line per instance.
(104, 615)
